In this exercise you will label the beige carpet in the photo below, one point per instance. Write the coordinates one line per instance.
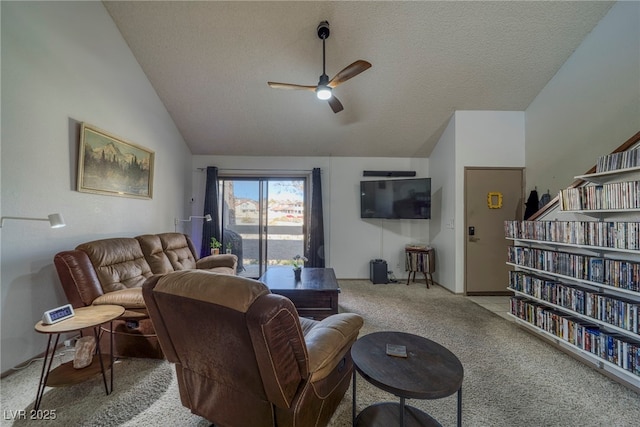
(511, 378)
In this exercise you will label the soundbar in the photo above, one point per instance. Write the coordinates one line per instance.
(389, 173)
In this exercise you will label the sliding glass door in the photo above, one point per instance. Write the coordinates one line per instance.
(263, 221)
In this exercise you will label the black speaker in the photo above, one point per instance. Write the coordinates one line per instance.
(378, 271)
(389, 173)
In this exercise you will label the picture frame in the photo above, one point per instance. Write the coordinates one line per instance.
(112, 166)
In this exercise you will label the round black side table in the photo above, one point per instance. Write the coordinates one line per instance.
(430, 371)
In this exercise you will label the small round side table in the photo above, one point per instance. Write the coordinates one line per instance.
(65, 374)
(430, 371)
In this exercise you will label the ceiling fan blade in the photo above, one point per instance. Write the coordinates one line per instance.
(335, 105)
(349, 71)
(277, 85)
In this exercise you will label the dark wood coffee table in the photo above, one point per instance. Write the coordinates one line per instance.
(315, 295)
(429, 371)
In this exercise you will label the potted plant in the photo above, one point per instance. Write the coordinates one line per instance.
(298, 262)
(215, 246)
(229, 248)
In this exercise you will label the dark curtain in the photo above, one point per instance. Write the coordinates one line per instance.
(314, 251)
(210, 228)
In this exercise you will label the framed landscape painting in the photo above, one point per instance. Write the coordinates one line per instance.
(112, 166)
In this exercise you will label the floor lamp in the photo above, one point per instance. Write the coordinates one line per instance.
(207, 218)
(55, 220)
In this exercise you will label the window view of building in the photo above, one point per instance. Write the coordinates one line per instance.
(263, 221)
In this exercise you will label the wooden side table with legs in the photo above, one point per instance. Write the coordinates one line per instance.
(421, 260)
(65, 374)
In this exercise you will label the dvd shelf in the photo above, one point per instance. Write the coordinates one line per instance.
(619, 195)
(591, 305)
(576, 269)
(599, 234)
(612, 273)
(616, 161)
(420, 259)
(621, 352)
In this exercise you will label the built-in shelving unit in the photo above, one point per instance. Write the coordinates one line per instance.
(576, 270)
(592, 248)
(608, 176)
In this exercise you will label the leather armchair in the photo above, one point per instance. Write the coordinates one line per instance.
(243, 357)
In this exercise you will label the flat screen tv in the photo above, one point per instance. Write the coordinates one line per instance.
(396, 198)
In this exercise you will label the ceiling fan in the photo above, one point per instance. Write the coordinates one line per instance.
(325, 86)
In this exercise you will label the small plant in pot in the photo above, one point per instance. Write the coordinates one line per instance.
(229, 248)
(215, 246)
(298, 262)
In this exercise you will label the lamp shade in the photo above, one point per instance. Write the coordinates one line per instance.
(55, 220)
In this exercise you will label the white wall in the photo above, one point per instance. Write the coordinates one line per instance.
(590, 107)
(472, 138)
(350, 242)
(443, 203)
(487, 139)
(64, 63)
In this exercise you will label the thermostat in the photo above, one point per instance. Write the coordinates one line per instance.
(57, 314)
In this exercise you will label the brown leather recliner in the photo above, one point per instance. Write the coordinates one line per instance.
(243, 357)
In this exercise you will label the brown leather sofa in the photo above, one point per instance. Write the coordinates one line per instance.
(243, 357)
(112, 271)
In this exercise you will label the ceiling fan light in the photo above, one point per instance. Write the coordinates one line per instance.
(323, 92)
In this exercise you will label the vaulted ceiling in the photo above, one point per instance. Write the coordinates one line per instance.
(210, 62)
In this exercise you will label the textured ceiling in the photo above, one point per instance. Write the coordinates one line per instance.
(210, 62)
